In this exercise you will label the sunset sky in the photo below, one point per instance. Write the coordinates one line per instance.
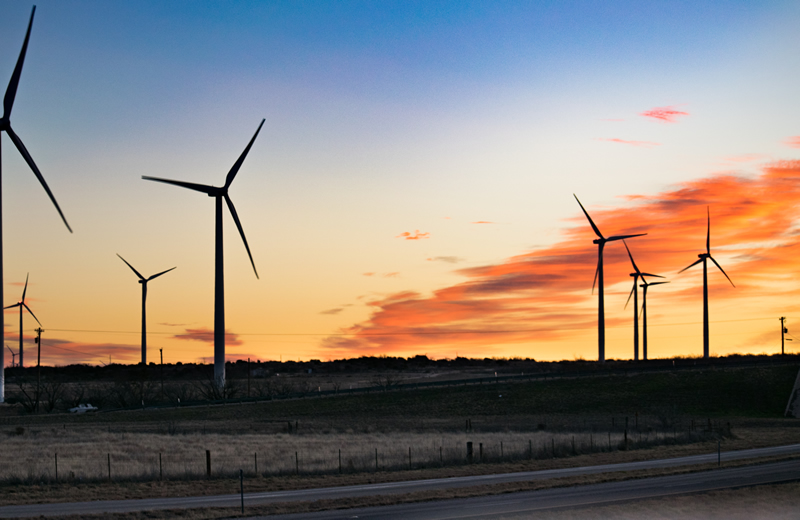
(411, 191)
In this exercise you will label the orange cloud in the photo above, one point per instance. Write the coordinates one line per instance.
(665, 114)
(207, 336)
(793, 142)
(482, 222)
(645, 144)
(415, 236)
(545, 295)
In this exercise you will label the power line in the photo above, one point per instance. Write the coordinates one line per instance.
(406, 333)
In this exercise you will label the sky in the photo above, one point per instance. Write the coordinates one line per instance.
(411, 190)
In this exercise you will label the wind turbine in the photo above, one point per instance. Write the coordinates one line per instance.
(22, 304)
(644, 287)
(143, 281)
(13, 356)
(635, 293)
(219, 282)
(5, 126)
(601, 319)
(704, 257)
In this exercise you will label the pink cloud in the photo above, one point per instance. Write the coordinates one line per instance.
(368, 274)
(391, 275)
(793, 142)
(665, 114)
(482, 222)
(415, 236)
(746, 157)
(207, 336)
(645, 144)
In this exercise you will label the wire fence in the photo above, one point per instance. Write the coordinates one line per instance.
(57, 456)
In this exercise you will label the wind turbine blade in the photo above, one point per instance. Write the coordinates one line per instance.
(631, 294)
(694, 264)
(12, 306)
(596, 273)
(650, 274)
(721, 269)
(632, 262)
(657, 283)
(622, 237)
(241, 231)
(596, 231)
(25, 290)
(708, 232)
(32, 314)
(11, 91)
(28, 159)
(211, 190)
(240, 160)
(132, 269)
(159, 274)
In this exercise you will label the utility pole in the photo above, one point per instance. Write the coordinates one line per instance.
(161, 352)
(784, 330)
(38, 341)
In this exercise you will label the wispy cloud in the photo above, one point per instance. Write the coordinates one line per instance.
(207, 336)
(793, 142)
(447, 259)
(545, 295)
(391, 275)
(745, 157)
(666, 114)
(413, 236)
(482, 222)
(645, 144)
(332, 311)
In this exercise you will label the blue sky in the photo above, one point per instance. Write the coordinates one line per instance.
(381, 118)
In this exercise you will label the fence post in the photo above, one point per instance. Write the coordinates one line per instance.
(56, 456)
(241, 488)
(255, 458)
(469, 452)
(208, 463)
(340, 460)
(409, 457)
(441, 457)
(109, 467)
(553, 442)
(480, 450)
(376, 459)
(501, 450)
(296, 463)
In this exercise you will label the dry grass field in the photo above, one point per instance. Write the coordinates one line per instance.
(296, 442)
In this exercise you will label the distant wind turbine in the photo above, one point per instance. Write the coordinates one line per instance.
(704, 257)
(143, 281)
(637, 274)
(219, 281)
(598, 275)
(22, 304)
(13, 356)
(5, 126)
(644, 287)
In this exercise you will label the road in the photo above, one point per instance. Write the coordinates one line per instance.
(122, 506)
(525, 504)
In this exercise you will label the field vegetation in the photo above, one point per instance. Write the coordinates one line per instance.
(577, 416)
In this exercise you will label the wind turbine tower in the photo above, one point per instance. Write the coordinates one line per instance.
(143, 281)
(703, 258)
(637, 274)
(219, 279)
(598, 276)
(644, 287)
(22, 304)
(5, 126)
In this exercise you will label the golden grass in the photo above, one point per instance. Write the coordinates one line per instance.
(83, 455)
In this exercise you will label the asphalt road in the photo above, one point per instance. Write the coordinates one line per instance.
(121, 506)
(525, 504)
